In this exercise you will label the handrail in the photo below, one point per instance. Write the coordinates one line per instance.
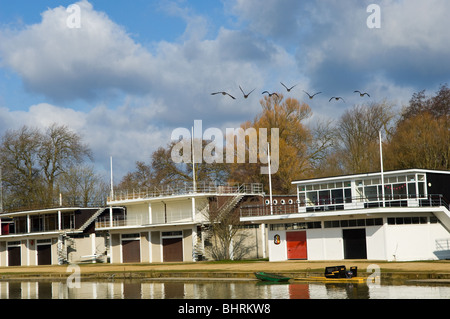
(343, 204)
(187, 188)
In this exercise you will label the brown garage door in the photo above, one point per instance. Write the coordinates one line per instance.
(14, 256)
(172, 249)
(131, 251)
(44, 254)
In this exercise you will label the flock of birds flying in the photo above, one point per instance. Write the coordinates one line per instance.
(288, 89)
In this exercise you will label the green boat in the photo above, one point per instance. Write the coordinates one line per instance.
(271, 277)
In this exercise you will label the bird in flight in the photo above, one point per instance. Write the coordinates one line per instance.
(337, 98)
(270, 94)
(246, 95)
(224, 93)
(288, 89)
(362, 94)
(312, 96)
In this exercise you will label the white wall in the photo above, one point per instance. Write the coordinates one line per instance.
(414, 242)
(322, 244)
(277, 252)
(138, 213)
(375, 242)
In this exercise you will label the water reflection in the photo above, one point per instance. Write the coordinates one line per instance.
(130, 289)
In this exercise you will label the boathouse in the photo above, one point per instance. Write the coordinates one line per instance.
(51, 236)
(398, 215)
(171, 224)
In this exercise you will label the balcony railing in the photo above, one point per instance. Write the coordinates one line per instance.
(185, 189)
(341, 204)
(140, 220)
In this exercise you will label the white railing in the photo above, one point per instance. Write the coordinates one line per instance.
(344, 204)
(186, 188)
(170, 217)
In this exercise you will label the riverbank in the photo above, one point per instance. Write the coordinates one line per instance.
(420, 270)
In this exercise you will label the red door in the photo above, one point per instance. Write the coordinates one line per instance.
(296, 245)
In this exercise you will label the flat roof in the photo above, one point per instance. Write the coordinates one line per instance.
(45, 211)
(362, 175)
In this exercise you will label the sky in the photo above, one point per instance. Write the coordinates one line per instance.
(125, 74)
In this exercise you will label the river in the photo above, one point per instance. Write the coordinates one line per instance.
(140, 289)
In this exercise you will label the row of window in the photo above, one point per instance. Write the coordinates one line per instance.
(356, 223)
(411, 220)
(353, 222)
(294, 226)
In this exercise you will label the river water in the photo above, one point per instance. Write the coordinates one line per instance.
(139, 289)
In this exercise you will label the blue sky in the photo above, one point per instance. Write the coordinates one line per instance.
(136, 70)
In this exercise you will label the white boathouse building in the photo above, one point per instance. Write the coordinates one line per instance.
(168, 224)
(403, 216)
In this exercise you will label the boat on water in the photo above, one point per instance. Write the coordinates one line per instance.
(337, 274)
(357, 280)
(271, 277)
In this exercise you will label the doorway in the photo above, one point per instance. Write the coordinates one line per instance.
(14, 256)
(296, 245)
(354, 243)
(172, 249)
(131, 251)
(44, 254)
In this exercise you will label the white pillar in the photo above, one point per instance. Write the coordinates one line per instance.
(193, 208)
(150, 213)
(263, 238)
(92, 236)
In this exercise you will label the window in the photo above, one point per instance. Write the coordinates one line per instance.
(371, 193)
(412, 190)
(399, 191)
(353, 222)
(348, 195)
(171, 233)
(130, 236)
(434, 220)
(407, 220)
(324, 197)
(337, 196)
(294, 226)
(311, 198)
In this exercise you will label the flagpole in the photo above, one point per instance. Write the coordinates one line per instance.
(382, 172)
(193, 162)
(112, 183)
(270, 179)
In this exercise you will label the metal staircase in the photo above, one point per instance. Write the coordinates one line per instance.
(65, 245)
(228, 207)
(93, 218)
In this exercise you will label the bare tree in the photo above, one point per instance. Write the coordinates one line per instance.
(60, 149)
(32, 161)
(358, 134)
(80, 185)
(225, 232)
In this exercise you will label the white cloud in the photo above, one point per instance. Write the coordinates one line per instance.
(69, 63)
(100, 59)
(322, 46)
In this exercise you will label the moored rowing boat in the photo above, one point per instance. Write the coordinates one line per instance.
(358, 280)
(271, 277)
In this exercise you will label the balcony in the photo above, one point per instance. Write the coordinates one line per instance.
(341, 205)
(186, 189)
(143, 220)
